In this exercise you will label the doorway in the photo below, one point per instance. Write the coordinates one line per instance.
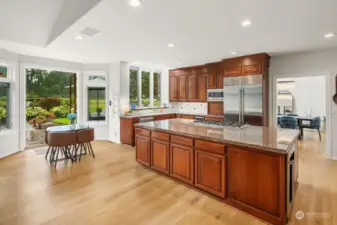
(50, 96)
(305, 97)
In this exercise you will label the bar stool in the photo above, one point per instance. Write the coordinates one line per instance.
(61, 141)
(84, 137)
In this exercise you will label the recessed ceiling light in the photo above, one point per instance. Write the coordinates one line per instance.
(78, 37)
(170, 45)
(329, 35)
(233, 53)
(179, 63)
(246, 23)
(135, 3)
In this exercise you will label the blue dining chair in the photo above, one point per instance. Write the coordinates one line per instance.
(314, 124)
(288, 122)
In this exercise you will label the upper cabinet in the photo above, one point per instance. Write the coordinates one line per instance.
(173, 88)
(211, 80)
(191, 84)
(182, 91)
(202, 87)
(192, 87)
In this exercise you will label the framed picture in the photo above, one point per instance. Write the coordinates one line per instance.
(288, 109)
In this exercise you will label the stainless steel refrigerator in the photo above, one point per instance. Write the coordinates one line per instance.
(243, 99)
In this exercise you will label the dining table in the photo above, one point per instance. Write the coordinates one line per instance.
(67, 128)
(300, 120)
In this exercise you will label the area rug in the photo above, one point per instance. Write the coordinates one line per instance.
(41, 151)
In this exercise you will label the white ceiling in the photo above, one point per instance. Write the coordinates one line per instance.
(202, 31)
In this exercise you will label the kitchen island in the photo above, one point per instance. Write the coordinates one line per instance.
(254, 169)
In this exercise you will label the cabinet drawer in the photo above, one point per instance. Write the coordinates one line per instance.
(232, 72)
(160, 136)
(187, 117)
(143, 132)
(251, 70)
(181, 140)
(219, 119)
(210, 146)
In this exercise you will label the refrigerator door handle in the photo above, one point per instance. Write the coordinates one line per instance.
(243, 106)
(240, 105)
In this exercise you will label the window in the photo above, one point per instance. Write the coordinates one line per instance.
(145, 88)
(133, 87)
(4, 106)
(96, 103)
(156, 89)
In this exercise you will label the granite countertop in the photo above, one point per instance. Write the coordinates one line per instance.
(264, 138)
(168, 113)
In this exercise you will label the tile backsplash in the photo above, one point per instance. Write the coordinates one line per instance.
(187, 107)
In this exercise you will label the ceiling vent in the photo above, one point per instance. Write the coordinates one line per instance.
(88, 31)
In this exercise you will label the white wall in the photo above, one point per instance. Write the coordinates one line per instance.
(308, 95)
(319, 63)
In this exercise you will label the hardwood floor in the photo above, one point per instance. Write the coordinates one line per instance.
(114, 189)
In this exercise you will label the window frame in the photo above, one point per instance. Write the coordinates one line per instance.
(90, 84)
(151, 72)
(10, 108)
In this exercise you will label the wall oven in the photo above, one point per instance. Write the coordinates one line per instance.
(215, 95)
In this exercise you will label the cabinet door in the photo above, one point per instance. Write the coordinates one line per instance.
(182, 92)
(160, 156)
(220, 77)
(251, 70)
(202, 87)
(143, 150)
(210, 172)
(192, 87)
(215, 108)
(173, 88)
(253, 179)
(190, 117)
(232, 72)
(211, 80)
(181, 163)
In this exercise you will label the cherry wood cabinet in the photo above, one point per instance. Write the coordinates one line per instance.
(182, 163)
(191, 117)
(127, 130)
(215, 108)
(173, 88)
(218, 119)
(256, 179)
(182, 90)
(220, 77)
(192, 87)
(160, 155)
(212, 79)
(202, 88)
(251, 70)
(252, 180)
(233, 72)
(143, 150)
(210, 172)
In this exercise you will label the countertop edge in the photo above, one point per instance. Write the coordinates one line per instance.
(263, 148)
(169, 113)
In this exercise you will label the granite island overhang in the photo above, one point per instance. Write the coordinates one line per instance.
(254, 168)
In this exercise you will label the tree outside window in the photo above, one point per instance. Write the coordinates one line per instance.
(145, 88)
(133, 98)
(156, 89)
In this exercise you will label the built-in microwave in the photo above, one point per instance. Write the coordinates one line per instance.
(214, 95)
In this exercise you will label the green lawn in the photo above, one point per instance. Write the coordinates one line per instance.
(64, 121)
(93, 105)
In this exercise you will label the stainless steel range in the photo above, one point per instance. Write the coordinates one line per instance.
(227, 123)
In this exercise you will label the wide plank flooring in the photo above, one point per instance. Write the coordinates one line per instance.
(114, 189)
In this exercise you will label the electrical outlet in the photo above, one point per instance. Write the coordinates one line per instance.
(115, 134)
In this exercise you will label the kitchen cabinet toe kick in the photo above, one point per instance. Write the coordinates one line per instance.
(257, 182)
